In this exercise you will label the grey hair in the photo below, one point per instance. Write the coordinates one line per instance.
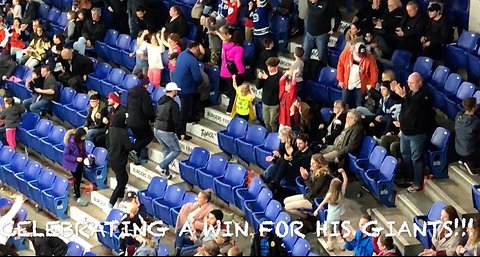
(356, 115)
(97, 10)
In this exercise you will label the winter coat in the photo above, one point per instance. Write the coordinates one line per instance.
(187, 74)
(232, 53)
(72, 151)
(467, 134)
(12, 115)
(139, 107)
(168, 115)
(368, 69)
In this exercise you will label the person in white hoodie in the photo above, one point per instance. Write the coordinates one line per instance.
(7, 221)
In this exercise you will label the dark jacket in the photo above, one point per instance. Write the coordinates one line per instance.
(168, 115)
(48, 246)
(413, 29)
(118, 6)
(336, 129)
(263, 57)
(72, 151)
(133, 4)
(118, 143)
(30, 12)
(178, 26)
(271, 88)
(300, 159)
(187, 73)
(439, 31)
(7, 65)
(93, 31)
(139, 107)
(467, 134)
(112, 112)
(417, 115)
(320, 15)
(276, 246)
(317, 186)
(349, 140)
(80, 65)
(148, 22)
(97, 123)
(12, 115)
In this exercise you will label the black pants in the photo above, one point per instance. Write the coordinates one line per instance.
(188, 109)
(122, 179)
(144, 136)
(77, 175)
(245, 117)
(6, 250)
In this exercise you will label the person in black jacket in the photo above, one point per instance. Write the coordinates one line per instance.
(411, 29)
(46, 245)
(416, 122)
(269, 82)
(119, 146)
(267, 243)
(118, 11)
(93, 29)
(7, 65)
(167, 125)
(176, 23)
(329, 132)
(438, 32)
(94, 124)
(76, 68)
(140, 112)
(146, 20)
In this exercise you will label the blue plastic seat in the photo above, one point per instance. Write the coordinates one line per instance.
(255, 137)
(225, 186)
(213, 73)
(235, 129)
(60, 24)
(437, 152)
(162, 250)
(333, 53)
(66, 97)
(301, 248)
(381, 182)
(89, 254)
(18, 89)
(273, 209)
(155, 190)
(423, 65)
(258, 205)
(115, 51)
(476, 197)
(318, 91)
(400, 62)
(115, 77)
(45, 181)
(43, 11)
(366, 148)
(127, 60)
(248, 55)
(326, 113)
(18, 164)
(196, 160)
(101, 47)
(130, 81)
(289, 241)
(439, 76)
(78, 110)
(67, 4)
(172, 199)
(98, 173)
(188, 198)
(55, 137)
(105, 237)
(271, 143)
(374, 162)
(6, 157)
(449, 90)
(279, 31)
(101, 72)
(465, 90)
(215, 168)
(474, 64)
(249, 193)
(41, 130)
(56, 198)
(456, 53)
(30, 173)
(433, 215)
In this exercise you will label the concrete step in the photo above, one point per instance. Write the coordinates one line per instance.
(218, 115)
(414, 204)
(406, 244)
(155, 155)
(188, 146)
(147, 172)
(335, 252)
(460, 175)
(448, 191)
(286, 61)
(206, 130)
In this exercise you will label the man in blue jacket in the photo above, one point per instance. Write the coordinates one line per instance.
(188, 77)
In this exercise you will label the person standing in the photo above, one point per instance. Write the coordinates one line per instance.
(438, 32)
(12, 115)
(270, 83)
(118, 12)
(416, 122)
(73, 156)
(140, 113)
(188, 76)
(467, 136)
(167, 125)
(119, 146)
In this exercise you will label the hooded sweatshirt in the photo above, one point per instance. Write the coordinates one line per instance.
(168, 115)
(467, 138)
(72, 151)
(119, 145)
(12, 115)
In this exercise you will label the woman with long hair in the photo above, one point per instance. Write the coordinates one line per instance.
(154, 51)
(284, 154)
(18, 36)
(73, 156)
(471, 248)
(36, 51)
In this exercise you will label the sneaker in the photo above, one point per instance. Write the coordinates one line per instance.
(460, 162)
(228, 113)
(82, 202)
(330, 246)
(472, 172)
(413, 189)
(186, 137)
(169, 176)
(159, 170)
(134, 157)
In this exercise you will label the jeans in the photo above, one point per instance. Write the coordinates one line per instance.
(270, 117)
(353, 97)
(412, 148)
(365, 111)
(170, 148)
(321, 41)
(182, 240)
(36, 107)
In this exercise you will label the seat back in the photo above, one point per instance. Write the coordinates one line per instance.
(102, 70)
(123, 42)
(4, 202)
(376, 157)
(81, 102)
(465, 90)
(189, 198)
(43, 127)
(89, 146)
(477, 96)
(440, 138)
(255, 186)
(272, 142)
(468, 40)
(29, 120)
(340, 43)
(157, 187)
(115, 215)
(6, 155)
(217, 165)
(43, 11)
(62, 20)
(289, 240)
(235, 174)
(237, 127)
(256, 134)
(401, 59)
(264, 198)
(67, 95)
(46, 179)
(101, 156)
(53, 15)
(130, 81)
(423, 65)
(74, 249)
(60, 186)
(32, 170)
(283, 217)
(440, 76)
(157, 94)
(436, 211)
(116, 76)
(328, 76)
(273, 209)
(56, 135)
(368, 144)
(301, 248)
(453, 83)
(279, 24)
(19, 162)
(388, 168)
(111, 37)
(326, 114)
(174, 195)
(199, 157)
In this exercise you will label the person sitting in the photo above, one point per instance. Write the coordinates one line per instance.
(281, 157)
(330, 131)
(472, 246)
(36, 51)
(42, 98)
(94, 125)
(76, 69)
(92, 31)
(131, 219)
(46, 246)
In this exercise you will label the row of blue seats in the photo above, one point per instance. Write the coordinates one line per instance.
(456, 54)
(42, 186)
(60, 4)
(45, 138)
(53, 19)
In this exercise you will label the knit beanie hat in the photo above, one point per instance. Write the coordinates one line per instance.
(115, 97)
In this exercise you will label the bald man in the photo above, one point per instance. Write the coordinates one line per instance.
(76, 68)
(416, 122)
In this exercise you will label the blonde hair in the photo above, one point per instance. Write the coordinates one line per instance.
(397, 3)
(245, 89)
(474, 238)
(288, 134)
(335, 191)
(323, 169)
(389, 75)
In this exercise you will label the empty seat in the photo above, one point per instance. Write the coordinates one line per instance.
(326, 113)
(6, 157)
(215, 168)
(127, 60)
(41, 130)
(449, 90)
(423, 65)
(225, 186)
(271, 143)
(433, 215)
(318, 91)
(110, 40)
(98, 173)
(235, 129)
(439, 76)
(43, 11)
(56, 198)
(55, 137)
(45, 181)
(30, 173)
(197, 159)
(130, 81)
(18, 164)
(368, 143)
(107, 85)
(274, 208)
(254, 137)
(453, 104)
(77, 111)
(456, 53)
(249, 193)
(155, 190)
(122, 44)
(374, 162)
(476, 197)
(400, 62)
(333, 53)
(301, 248)
(66, 97)
(107, 238)
(279, 32)
(258, 205)
(74, 249)
(172, 199)
(100, 72)
(381, 181)
(437, 152)
(473, 59)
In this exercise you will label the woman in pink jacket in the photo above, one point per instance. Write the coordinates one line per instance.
(232, 51)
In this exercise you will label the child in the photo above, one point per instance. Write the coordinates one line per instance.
(243, 106)
(147, 245)
(154, 55)
(385, 246)
(173, 42)
(11, 115)
(17, 9)
(70, 28)
(172, 64)
(334, 199)
(233, 12)
(249, 21)
(214, 42)
(287, 96)
(141, 64)
(298, 64)
(266, 53)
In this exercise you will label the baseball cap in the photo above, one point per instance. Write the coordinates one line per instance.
(172, 86)
(129, 196)
(361, 49)
(434, 8)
